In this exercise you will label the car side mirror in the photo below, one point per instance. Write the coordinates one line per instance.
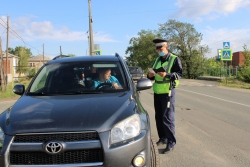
(143, 83)
(19, 89)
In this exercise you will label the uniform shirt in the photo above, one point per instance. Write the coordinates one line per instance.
(110, 80)
(175, 71)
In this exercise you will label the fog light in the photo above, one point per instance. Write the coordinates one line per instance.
(139, 160)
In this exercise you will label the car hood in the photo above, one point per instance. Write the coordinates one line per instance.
(34, 114)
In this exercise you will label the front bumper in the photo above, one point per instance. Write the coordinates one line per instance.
(122, 154)
(119, 154)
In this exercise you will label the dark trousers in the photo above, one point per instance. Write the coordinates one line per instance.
(164, 117)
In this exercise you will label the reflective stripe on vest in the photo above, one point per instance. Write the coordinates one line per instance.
(162, 84)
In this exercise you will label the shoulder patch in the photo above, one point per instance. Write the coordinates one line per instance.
(179, 62)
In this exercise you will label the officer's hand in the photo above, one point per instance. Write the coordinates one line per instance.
(151, 74)
(162, 74)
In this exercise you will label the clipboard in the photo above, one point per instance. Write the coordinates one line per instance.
(161, 69)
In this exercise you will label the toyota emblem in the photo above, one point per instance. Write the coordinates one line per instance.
(53, 147)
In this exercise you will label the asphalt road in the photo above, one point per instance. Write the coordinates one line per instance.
(212, 125)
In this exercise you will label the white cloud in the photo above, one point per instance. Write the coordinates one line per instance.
(30, 30)
(42, 29)
(198, 19)
(3, 26)
(128, 37)
(193, 8)
(213, 16)
(102, 37)
(215, 38)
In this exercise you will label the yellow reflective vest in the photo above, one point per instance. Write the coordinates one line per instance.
(162, 84)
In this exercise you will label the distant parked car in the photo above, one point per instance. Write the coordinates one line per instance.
(136, 72)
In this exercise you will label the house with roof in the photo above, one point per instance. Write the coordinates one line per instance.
(12, 75)
(38, 61)
(12, 61)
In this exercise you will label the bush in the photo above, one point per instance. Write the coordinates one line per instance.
(244, 74)
(31, 73)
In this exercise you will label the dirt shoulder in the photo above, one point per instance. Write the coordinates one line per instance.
(9, 98)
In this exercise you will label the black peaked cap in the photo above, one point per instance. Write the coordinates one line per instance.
(159, 40)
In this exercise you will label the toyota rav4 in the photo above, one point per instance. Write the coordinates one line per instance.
(62, 119)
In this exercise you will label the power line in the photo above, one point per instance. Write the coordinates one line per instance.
(3, 21)
(181, 8)
(3, 33)
(226, 39)
(20, 38)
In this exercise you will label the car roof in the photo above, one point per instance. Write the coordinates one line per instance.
(85, 58)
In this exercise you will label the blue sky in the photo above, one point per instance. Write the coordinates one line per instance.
(56, 23)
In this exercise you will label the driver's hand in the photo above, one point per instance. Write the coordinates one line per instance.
(115, 85)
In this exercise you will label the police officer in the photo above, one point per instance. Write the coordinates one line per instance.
(165, 82)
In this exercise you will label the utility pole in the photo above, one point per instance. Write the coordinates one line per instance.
(7, 46)
(43, 53)
(3, 85)
(91, 40)
(60, 50)
(87, 50)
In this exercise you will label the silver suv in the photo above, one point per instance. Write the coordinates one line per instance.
(67, 117)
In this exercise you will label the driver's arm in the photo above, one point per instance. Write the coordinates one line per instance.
(116, 86)
(115, 83)
(95, 84)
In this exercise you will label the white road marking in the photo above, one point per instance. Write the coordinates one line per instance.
(215, 97)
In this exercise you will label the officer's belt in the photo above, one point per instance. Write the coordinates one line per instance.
(162, 82)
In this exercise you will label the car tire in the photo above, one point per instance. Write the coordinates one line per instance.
(154, 154)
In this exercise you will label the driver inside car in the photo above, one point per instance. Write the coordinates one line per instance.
(106, 77)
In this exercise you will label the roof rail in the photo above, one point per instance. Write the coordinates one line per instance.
(60, 56)
(117, 55)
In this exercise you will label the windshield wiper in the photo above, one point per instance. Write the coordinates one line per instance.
(39, 94)
(80, 92)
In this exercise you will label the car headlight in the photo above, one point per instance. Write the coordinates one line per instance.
(126, 129)
(1, 138)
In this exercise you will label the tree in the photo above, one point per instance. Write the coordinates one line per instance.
(16, 51)
(141, 50)
(213, 67)
(23, 55)
(184, 41)
(71, 55)
(244, 70)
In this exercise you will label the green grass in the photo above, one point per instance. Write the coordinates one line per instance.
(9, 93)
(234, 83)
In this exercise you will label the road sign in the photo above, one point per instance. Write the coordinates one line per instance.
(98, 52)
(226, 54)
(226, 45)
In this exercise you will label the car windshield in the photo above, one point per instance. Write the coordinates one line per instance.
(135, 69)
(79, 78)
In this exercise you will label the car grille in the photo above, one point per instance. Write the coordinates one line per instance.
(84, 155)
(64, 137)
(70, 157)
